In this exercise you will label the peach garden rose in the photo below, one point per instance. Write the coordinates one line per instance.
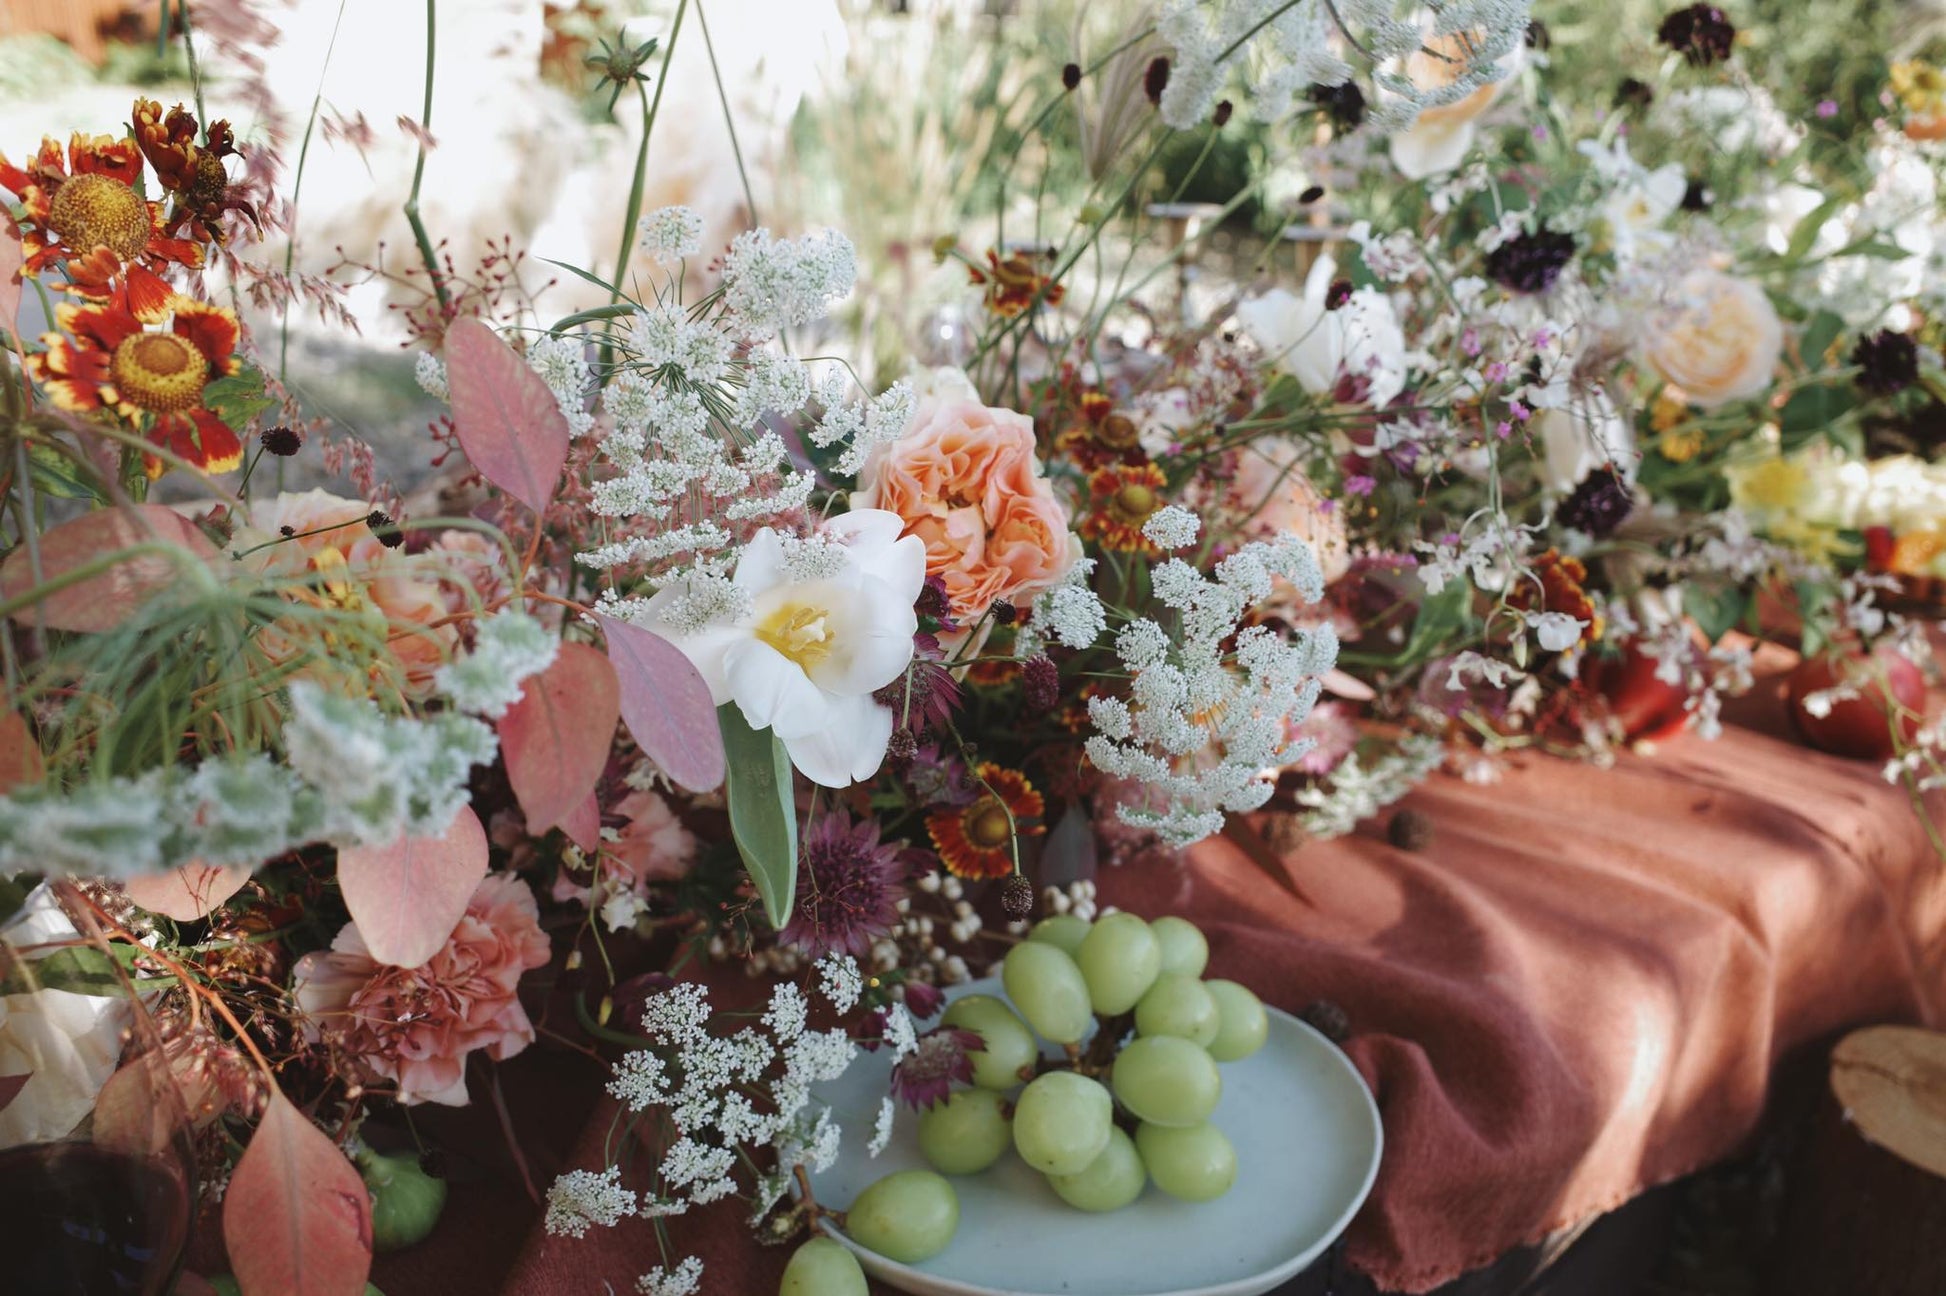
(1719, 341)
(966, 480)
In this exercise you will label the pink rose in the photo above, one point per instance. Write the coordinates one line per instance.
(1269, 490)
(967, 482)
(416, 1026)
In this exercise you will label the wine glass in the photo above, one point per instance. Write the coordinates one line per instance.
(97, 1171)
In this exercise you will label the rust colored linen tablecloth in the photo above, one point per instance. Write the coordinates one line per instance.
(1578, 990)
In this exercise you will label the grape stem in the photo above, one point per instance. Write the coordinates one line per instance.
(807, 1202)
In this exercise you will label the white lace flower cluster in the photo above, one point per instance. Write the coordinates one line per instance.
(1285, 48)
(353, 776)
(1202, 728)
(1355, 791)
(690, 465)
(727, 1095)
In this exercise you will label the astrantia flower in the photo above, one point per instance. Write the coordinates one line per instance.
(804, 651)
(1531, 262)
(976, 840)
(1701, 33)
(1121, 498)
(1599, 503)
(104, 359)
(849, 884)
(925, 696)
(194, 174)
(944, 1057)
(1887, 362)
(88, 201)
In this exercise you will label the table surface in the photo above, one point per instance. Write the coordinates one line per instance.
(1577, 991)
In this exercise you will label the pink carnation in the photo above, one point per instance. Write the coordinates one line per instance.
(416, 1026)
(967, 482)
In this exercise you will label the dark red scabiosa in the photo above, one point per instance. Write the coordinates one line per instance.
(1599, 503)
(1156, 80)
(1222, 115)
(1531, 262)
(1887, 362)
(1343, 104)
(925, 1077)
(281, 441)
(1338, 294)
(1633, 94)
(1701, 33)
(1697, 197)
(849, 884)
(1041, 681)
(1017, 897)
(1311, 195)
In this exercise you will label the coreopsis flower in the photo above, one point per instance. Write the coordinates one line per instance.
(925, 1076)
(1015, 282)
(193, 174)
(849, 884)
(1121, 498)
(417, 1026)
(1921, 90)
(975, 840)
(103, 358)
(807, 633)
(1558, 591)
(1102, 434)
(86, 201)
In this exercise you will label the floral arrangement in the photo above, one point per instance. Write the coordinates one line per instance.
(709, 649)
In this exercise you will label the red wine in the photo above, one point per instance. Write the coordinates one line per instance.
(76, 1220)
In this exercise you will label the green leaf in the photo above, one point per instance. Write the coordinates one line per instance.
(56, 474)
(1819, 334)
(1805, 232)
(1810, 412)
(763, 811)
(1717, 611)
(81, 969)
(238, 398)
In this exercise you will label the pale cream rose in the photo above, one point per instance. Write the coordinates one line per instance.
(1719, 341)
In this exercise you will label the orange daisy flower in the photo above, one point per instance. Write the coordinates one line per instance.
(975, 840)
(193, 174)
(103, 359)
(1101, 435)
(1014, 283)
(1563, 579)
(83, 208)
(1122, 497)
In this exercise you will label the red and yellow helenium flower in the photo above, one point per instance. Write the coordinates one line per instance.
(193, 173)
(976, 840)
(104, 359)
(85, 202)
(1121, 497)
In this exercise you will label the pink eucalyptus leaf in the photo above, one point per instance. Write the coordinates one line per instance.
(297, 1219)
(583, 824)
(506, 418)
(666, 706)
(407, 897)
(190, 892)
(104, 601)
(556, 737)
(20, 756)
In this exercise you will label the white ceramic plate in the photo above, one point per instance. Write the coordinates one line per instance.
(1307, 1137)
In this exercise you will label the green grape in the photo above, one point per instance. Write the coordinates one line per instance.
(1110, 1182)
(1243, 1021)
(822, 1267)
(1048, 989)
(1009, 1044)
(908, 1216)
(1120, 959)
(1178, 1005)
(1167, 1081)
(1184, 949)
(1196, 1164)
(1063, 930)
(1062, 1122)
(966, 1133)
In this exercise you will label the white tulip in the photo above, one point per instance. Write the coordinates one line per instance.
(66, 1044)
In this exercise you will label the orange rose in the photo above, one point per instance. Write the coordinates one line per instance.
(967, 482)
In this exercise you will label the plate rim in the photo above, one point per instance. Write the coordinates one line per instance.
(887, 1269)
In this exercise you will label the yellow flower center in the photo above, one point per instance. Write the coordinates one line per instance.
(159, 372)
(1118, 431)
(798, 631)
(212, 182)
(91, 211)
(1133, 502)
(986, 824)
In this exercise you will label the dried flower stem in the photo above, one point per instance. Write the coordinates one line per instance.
(426, 252)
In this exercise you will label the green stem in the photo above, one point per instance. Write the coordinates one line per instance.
(729, 124)
(650, 110)
(297, 186)
(426, 252)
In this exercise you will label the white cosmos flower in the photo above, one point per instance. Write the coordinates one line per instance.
(1314, 345)
(1583, 434)
(821, 629)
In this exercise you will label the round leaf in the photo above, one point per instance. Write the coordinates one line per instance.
(666, 706)
(408, 896)
(506, 418)
(104, 601)
(556, 737)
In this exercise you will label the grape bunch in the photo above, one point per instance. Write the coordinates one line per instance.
(1100, 1123)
